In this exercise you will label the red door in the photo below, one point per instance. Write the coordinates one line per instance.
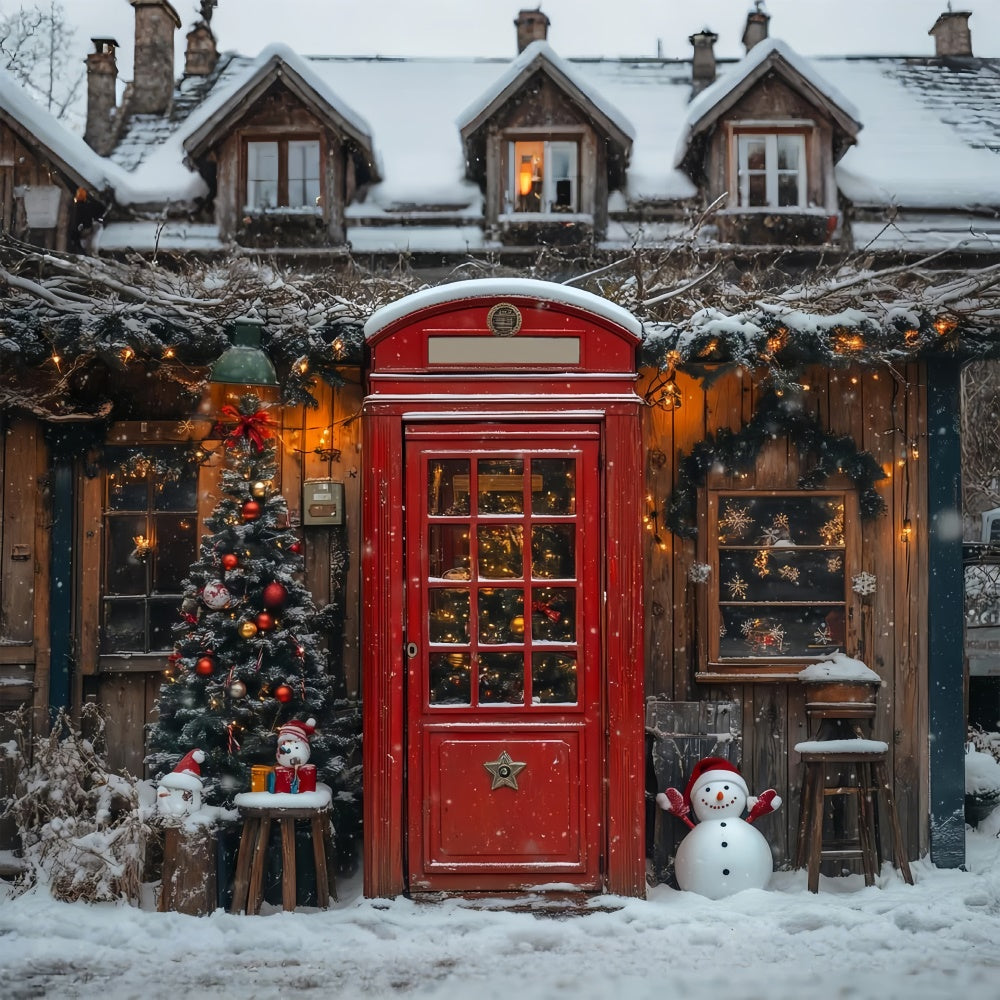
(504, 599)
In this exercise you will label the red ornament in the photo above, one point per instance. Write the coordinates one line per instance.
(283, 693)
(205, 666)
(295, 547)
(275, 595)
(264, 621)
(229, 561)
(251, 510)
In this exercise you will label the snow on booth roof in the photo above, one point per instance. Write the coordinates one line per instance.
(458, 291)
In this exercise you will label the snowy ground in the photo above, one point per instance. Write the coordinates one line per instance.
(937, 939)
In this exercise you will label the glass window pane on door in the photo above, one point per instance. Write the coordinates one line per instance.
(449, 616)
(500, 486)
(448, 488)
(501, 678)
(448, 551)
(553, 678)
(499, 551)
(553, 553)
(450, 679)
(553, 486)
(501, 615)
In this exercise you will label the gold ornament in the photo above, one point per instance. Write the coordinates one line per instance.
(247, 630)
(259, 490)
(517, 625)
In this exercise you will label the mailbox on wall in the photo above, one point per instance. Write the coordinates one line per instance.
(322, 502)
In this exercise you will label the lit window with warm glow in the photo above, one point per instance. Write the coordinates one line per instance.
(542, 176)
(771, 170)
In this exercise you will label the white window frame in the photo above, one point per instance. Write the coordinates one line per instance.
(550, 148)
(771, 171)
(289, 169)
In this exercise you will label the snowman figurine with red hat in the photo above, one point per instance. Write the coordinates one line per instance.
(294, 773)
(178, 793)
(723, 854)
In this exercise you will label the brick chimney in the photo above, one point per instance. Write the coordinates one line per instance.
(532, 26)
(201, 55)
(703, 61)
(951, 34)
(102, 96)
(756, 29)
(153, 74)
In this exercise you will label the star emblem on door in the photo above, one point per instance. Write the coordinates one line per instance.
(504, 771)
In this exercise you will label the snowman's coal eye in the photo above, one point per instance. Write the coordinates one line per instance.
(726, 787)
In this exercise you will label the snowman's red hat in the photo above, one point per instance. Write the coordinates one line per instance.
(714, 769)
(187, 773)
(298, 730)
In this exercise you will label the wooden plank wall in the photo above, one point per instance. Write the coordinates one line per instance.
(885, 413)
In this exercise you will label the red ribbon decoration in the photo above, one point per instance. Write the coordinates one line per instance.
(544, 608)
(254, 427)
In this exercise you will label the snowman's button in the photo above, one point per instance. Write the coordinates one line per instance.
(725, 871)
(724, 844)
(723, 824)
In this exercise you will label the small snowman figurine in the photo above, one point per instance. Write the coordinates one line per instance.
(723, 854)
(179, 793)
(294, 773)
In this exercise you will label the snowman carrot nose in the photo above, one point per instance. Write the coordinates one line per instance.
(719, 796)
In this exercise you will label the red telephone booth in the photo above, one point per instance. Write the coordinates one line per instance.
(502, 576)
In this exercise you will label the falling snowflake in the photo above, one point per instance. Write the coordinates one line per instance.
(699, 572)
(822, 636)
(736, 519)
(737, 587)
(760, 562)
(790, 573)
(834, 564)
(864, 583)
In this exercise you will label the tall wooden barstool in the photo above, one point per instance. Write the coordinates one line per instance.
(258, 811)
(863, 774)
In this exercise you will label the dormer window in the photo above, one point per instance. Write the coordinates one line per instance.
(283, 173)
(771, 170)
(542, 176)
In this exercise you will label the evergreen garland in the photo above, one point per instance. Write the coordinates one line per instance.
(737, 451)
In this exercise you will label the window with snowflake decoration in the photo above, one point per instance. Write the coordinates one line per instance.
(780, 578)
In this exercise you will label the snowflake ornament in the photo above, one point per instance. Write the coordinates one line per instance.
(822, 636)
(834, 564)
(790, 573)
(736, 519)
(864, 583)
(737, 587)
(699, 572)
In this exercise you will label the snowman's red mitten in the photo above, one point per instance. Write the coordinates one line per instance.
(761, 805)
(672, 801)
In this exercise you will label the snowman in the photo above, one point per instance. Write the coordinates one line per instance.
(293, 743)
(723, 854)
(179, 793)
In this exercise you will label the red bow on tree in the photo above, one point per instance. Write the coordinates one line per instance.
(253, 427)
(545, 608)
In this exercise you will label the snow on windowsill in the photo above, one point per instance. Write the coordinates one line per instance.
(311, 210)
(775, 210)
(839, 667)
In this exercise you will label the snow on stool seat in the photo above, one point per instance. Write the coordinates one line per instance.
(259, 810)
(866, 776)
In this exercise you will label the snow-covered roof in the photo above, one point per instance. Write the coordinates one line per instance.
(770, 54)
(72, 153)
(540, 55)
(231, 97)
(929, 144)
(460, 291)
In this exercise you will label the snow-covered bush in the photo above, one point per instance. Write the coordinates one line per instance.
(82, 829)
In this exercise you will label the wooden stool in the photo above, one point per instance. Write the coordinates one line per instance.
(248, 890)
(868, 761)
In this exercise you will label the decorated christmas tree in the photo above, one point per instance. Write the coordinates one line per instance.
(247, 657)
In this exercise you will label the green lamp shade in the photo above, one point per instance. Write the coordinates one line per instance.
(245, 363)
